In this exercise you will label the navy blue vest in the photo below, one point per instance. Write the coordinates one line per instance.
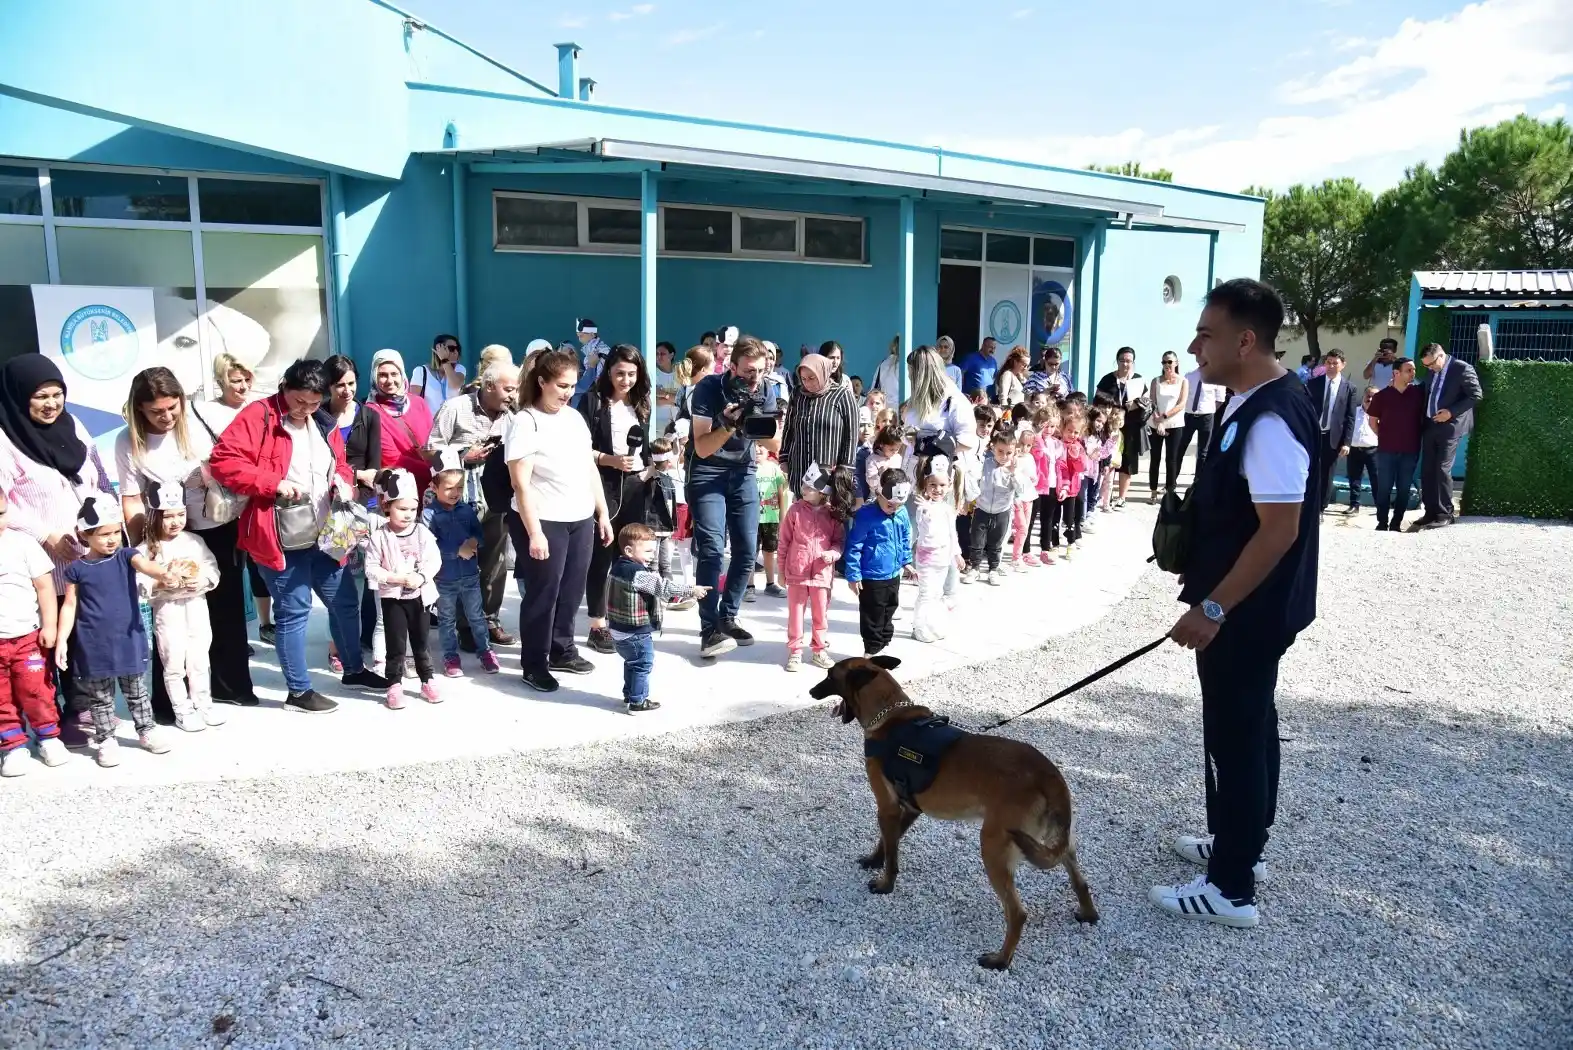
(1225, 518)
(909, 753)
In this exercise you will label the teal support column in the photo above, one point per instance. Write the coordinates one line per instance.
(343, 343)
(461, 262)
(1412, 319)
(1099, 240)
(908, 238)
(649, 212)
(1212, 260)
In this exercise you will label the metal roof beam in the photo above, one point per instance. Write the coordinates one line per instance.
(589, 167)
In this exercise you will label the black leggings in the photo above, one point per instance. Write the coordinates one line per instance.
(626, 507)
(1166, 444)
(1052, 513)
(404, 622)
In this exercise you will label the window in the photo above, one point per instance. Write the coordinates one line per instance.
(19, 192)
(120, 195)
(1009, 248)
(260, 203)
(966, 245)
(695, 230)
(763, 233)
(537, 222)
(612, 225)
(147, 257)
(22, 259)
(1051, 251)
(835, 240)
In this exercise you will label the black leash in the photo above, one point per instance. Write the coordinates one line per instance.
(1110, 669)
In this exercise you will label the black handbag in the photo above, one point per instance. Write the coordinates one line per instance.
(1171, 536)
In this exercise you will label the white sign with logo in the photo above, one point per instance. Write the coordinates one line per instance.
(100, 338)
(1006, 294)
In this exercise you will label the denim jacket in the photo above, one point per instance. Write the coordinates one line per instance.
(452, 526)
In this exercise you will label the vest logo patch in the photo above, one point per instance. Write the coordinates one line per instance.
(909, 755)
(1228, 436)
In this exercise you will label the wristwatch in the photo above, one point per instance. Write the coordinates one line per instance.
(1212, 610)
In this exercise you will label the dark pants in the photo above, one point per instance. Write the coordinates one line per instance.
(722, 506)
(1239, 674)
(1394, 470)
(1438, 447)
(493, 564)
(877, 601)
(406, 625)
(1054, 512)
(1361, 463)
(1198, 425)
(625, 507)
(553, 587)
(1165, 444)
(1326, 466)
(989, 529)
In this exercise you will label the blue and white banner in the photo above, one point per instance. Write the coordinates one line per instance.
(100, 338)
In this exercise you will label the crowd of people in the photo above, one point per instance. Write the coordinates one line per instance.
(634, 492)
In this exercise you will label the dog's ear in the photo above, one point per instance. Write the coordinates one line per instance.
(859, 678)
(889, 663)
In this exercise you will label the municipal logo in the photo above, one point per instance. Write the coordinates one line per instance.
(99, 342)
(1228, 436)
(1005, 321)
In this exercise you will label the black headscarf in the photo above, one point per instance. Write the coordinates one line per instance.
(55, 445)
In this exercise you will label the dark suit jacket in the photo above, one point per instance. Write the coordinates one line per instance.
(1460, 394)
(1341, 427)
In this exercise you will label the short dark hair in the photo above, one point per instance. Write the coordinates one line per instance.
(706, 335)
(827, 346)
(1400, 362)
(337, 367)
(1388, 342)
(1333, 353)
(439, 340)
(982, 413)
(668, 347)
(1429, 349)
(307, 376)
(1252, 304)
(1124, 350)
(632, 533)
(888, 436)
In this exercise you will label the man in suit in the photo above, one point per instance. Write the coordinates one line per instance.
(1335, 401)
(1452, 392)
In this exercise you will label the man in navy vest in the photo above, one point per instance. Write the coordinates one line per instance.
(1250, 582)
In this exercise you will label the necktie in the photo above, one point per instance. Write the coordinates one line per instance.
(1436, 390)
(1327, 409)
(1196, 398)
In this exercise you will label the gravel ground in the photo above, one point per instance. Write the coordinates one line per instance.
(699, 889)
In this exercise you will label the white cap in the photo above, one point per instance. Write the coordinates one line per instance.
(450, 458)
(397, 485)
(165, 496)
(536, 345)
(99, 509)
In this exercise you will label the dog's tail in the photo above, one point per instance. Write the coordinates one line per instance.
(1049, 854)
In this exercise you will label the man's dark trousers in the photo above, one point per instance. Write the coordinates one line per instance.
(1199, 425)
(1438, 449)
(1239, 675)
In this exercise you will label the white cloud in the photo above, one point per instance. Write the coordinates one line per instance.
(691, 35)
(636, 11)
(1400, 100)
(1021, 12)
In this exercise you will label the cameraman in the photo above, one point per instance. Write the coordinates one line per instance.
(1379, 372)
(722, 497)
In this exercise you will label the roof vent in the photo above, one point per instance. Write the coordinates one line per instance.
(567, 70)
(586, 89)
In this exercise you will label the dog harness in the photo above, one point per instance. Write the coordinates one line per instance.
(910, 752)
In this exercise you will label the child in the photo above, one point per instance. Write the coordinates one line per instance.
(402, 562)
(456, 528)
(1102, 429)
(887, 455)
(857, 386)
(1025, 494)
(181, 629)
(773, 502)
(27, 629)
(635, 595)
(991, 517)
(811, 536)
(937, 548)
(1049, 454)
(879, 547)
(664, 483)
(875, 402)
(865, 450)
(100, 638)
(1072, 470)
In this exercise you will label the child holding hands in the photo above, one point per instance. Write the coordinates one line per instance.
(811, 537)
(181, 628)
(402, 562)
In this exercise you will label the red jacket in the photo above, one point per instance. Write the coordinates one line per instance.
(251, 459)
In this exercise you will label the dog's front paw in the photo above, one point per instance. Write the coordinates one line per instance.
(994, 961)
(873, 860)
(881, 884)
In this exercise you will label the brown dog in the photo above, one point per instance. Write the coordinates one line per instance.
(1010, 786)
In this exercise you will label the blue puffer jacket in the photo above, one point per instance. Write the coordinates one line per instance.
(878, 544)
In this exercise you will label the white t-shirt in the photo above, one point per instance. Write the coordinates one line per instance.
(1202, 399)
(163, 463)
(1275, 466)
(436, 387)
(216, 414)
(22, 561)
(624, 419)
(310, 463)
(563, 478)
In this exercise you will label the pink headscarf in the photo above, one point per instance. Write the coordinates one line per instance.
(819, 366)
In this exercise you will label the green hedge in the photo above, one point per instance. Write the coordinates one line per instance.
(1521, 452)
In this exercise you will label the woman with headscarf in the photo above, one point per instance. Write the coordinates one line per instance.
(821, 422)
(48, 466)
(406, 421)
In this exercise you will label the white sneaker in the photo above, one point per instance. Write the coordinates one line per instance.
(190, 723)
(1198, 849)
(924, 635)
(794, 661)
(52, 752)
(108, 753)
(16, 761)
(1022, 566)
(213, 716)
(823, 660)
(153, 741)
(1200, 899)
(996, 579)
(969, 576)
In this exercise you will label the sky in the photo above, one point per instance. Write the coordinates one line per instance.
(1226, 94)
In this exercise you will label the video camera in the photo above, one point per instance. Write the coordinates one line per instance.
(757, 409)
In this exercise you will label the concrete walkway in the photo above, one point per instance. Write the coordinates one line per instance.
(490, 715)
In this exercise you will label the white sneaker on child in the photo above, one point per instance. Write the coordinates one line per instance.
(108, 753)
(794, 661)
(823, 659)
(190, 723)
(52, 752)
(16, 762)
(153, 741)
(213, 716)
(969, 576)
(996, 578)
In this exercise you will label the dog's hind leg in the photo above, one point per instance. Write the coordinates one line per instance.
(1086, 910)
(1061, 855)
(1000, 857)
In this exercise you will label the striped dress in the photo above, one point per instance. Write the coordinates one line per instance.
(43, 501)
(819, 429)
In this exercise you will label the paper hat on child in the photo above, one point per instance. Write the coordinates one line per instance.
(897, 490)
(817, 479)
(865, 416)
(939, 466)
(585, 326)
(448, 459)
(165, 497)
(397, 485)
(98, 510)
(727, 334)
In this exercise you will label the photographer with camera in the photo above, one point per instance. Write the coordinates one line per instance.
(1379, 370)
(732, 411)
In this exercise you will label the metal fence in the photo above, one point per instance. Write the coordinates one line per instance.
(1463, 334)
(1534, 338)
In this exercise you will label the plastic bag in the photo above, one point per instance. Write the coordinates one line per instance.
(346, 525)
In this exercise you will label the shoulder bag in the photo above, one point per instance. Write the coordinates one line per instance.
(221, 505)
(295, 520)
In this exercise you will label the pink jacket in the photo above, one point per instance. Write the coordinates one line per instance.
(807, 533)
(1072, 467)
(383, 558)
(1048, 453)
